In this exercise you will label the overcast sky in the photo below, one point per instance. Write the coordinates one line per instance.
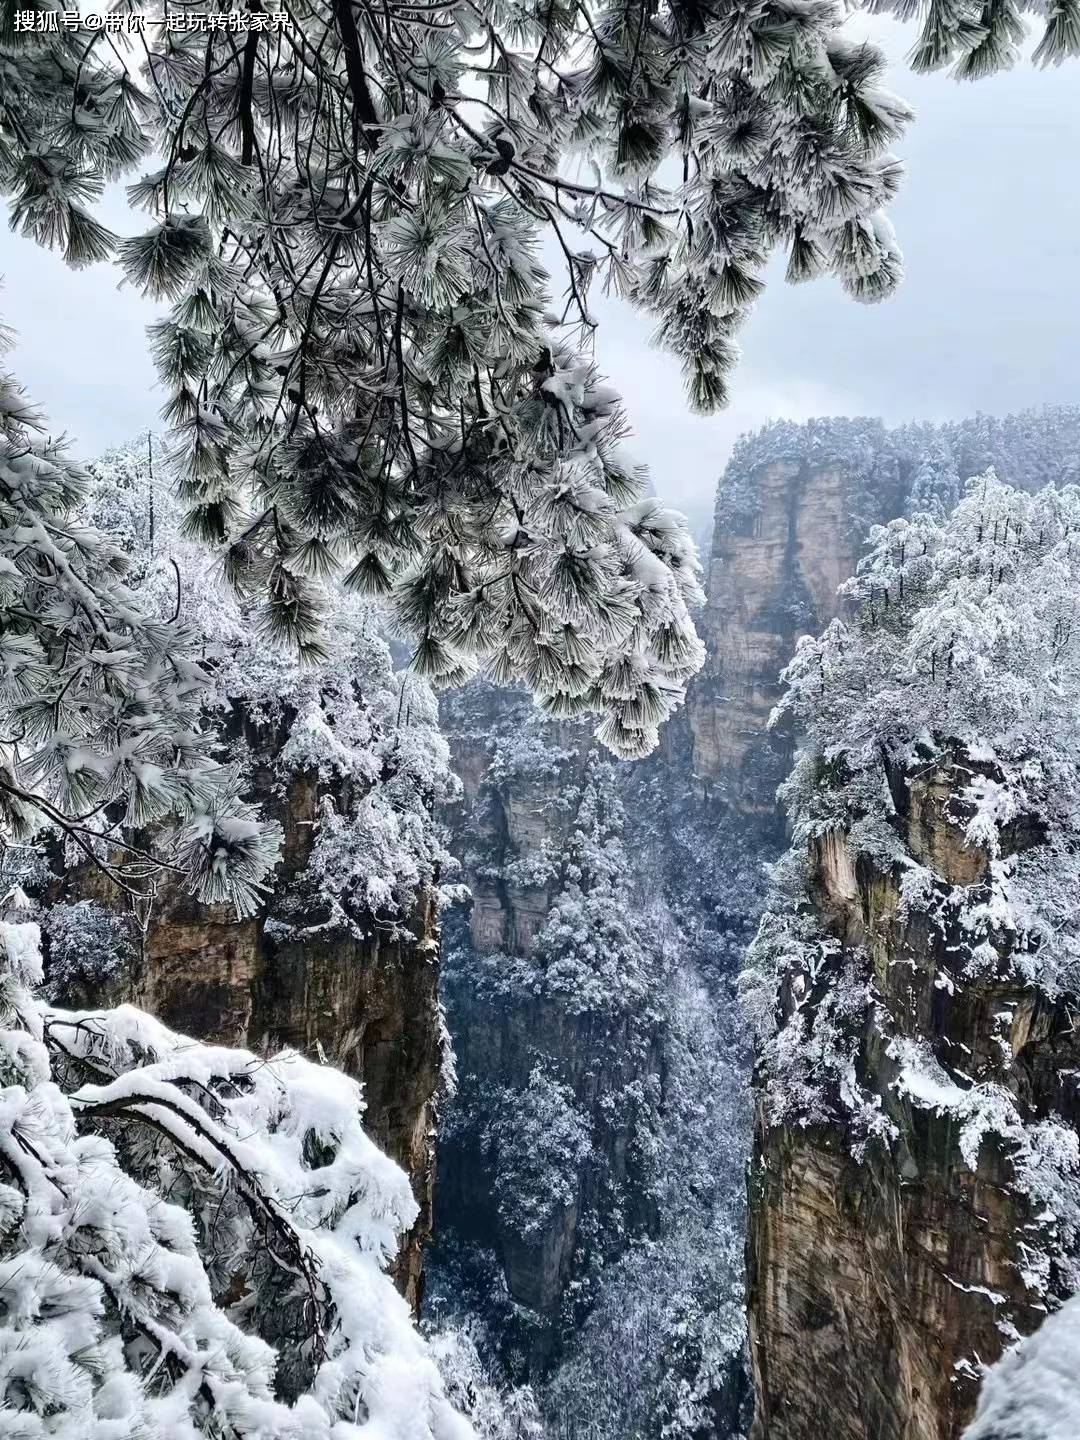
(987, 318)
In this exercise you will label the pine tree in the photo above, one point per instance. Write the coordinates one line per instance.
(1031, 1392)
(589, 953)
(935, 486)
(366, 733)
(102, 728)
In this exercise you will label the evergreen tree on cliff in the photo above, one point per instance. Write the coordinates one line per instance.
(935, 486)
(928, 906)
(101, 695)
(368, 372)
(588, 950)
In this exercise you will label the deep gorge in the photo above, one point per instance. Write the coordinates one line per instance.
(581, 1178)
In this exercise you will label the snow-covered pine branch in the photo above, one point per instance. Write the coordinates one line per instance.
(193, 1240)
(368, 372)
(101, 727)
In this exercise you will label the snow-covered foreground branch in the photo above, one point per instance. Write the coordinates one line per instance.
(1033, 1393)
(193, 1240)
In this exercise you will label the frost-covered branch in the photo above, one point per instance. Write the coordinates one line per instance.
(349, 734)
(194, 1239)
(100, 698)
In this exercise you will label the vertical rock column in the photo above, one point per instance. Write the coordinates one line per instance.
(922, 1213)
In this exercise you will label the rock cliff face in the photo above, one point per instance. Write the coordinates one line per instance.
(365, 998)
(883, 1271)
(503, 1041)
(512, 815)
(780, 549)
(878, 1278)
(773, 575)
(793, 508)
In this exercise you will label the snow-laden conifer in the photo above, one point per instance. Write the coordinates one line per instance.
(363, 732)
(1031, 1393)
(935, 485)
(961, 664)
(964, 645)
(101, 726)
(370, 371)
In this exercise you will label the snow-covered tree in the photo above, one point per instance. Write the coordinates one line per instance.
(965, 646)
(590, 954)
(959, 667)
(363, 732)
(537, 1141)
(193, 1240)
(101, 726)
(935, 485)
(496, 1412)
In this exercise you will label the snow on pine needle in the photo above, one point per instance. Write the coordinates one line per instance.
(102, 732)
(1031, 1393)
(370, 372)
(366, 733)
(193, 1240)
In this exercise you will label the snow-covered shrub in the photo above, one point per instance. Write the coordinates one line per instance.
(193, 1241)
(496, 1412)
(87, 943)
(523, 752)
